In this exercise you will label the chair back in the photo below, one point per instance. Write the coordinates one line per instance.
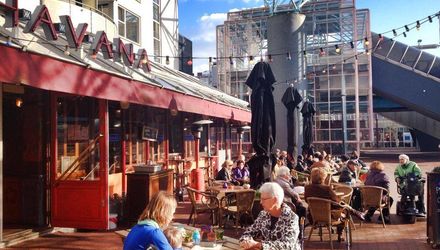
(191, 195)
(328, 179)
(348, 192)
(301, 177)
(371, 196)
(245, 201)
(320, 210)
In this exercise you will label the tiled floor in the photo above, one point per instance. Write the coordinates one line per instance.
(369, 236)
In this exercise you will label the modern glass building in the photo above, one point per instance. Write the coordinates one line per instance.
(337, 64)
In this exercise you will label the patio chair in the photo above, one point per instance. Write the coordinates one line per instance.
(346, 198)
(244, 202)
(321, 212)
(209, 203)
(300, 176)
(377, 197)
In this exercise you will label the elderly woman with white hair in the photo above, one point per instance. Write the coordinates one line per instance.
(276, 226)
(404, 168)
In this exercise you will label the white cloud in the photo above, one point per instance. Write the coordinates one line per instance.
(204, 36)
(206, 30)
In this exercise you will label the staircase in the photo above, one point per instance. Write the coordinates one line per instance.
(15, 236)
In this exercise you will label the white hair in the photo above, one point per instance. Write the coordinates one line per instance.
(403, 157)
(283, 171)
(274, 190)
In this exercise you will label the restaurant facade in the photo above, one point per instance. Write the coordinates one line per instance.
(77, 114)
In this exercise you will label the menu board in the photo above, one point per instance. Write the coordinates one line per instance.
(149, 133)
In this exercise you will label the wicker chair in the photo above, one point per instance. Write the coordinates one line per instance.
(209, 204)
(300, 176)
(376, 197)
(321, 212)
(346, 198)
(242, 206)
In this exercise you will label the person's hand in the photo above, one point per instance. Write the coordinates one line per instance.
(250, 244)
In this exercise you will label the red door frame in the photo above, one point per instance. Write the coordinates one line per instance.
(80, 204)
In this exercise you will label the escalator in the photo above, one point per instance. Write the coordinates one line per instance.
(409, 77)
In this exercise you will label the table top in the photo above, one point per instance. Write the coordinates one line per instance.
(227, 243)
(230, 189)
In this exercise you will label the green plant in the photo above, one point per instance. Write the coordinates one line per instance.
(436, 170)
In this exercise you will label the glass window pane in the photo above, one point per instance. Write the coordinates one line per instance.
(156, 12)
(411, 56)
(78, 144)
(121, 14)
(132, 27)
(156, 30)
(121, 29)
(425, 62)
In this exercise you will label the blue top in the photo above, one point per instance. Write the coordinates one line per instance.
(144, 234)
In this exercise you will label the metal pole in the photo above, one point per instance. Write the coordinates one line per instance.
(344, 113)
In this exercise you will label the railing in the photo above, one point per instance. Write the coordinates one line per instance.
(91, 8)
(82, 13)
(97, 167)
(84, 155)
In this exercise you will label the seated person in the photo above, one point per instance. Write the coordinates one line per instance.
(377, 177)
(284, 179)
(225, 174)
(174, 236)
(317, 189)
(321, 163)
(301, 166)
(240, 173)
(348, 173)
(404, 168)
(276, 226)
(148, 231)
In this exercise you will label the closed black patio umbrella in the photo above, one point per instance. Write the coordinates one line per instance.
(262, 123)
(291, 99)
(308, 111)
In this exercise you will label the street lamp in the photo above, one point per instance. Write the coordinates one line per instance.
(240, 131)
(197, 177)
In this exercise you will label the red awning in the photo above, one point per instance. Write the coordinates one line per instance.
(39, 71)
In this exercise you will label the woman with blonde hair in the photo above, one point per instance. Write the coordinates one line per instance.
(377, 177)
(155, 217)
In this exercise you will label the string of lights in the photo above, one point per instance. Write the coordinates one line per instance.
(396, 32)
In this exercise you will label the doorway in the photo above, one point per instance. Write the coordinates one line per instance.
(25, 138)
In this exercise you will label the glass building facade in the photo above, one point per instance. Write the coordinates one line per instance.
(337, 64)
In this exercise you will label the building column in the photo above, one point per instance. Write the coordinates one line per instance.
(284, 35)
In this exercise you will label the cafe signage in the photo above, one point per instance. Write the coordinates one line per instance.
(41, 17)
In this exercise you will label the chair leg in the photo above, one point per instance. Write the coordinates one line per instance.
(311, 231)
(320, 233)
(351, 222)
(194, 218)
(330, 233)
(190, 216)
(381, 216)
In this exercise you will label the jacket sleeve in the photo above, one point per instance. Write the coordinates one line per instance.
(159, 240)
(397, 172)
(385, 181)
(253, 231)
(290, 236)
(417, 170)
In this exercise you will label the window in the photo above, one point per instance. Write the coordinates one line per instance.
(128, 25)
(156, 30)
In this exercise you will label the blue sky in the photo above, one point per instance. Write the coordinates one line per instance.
(198, 19)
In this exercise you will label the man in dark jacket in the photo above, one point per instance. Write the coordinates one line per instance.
(348, 173)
